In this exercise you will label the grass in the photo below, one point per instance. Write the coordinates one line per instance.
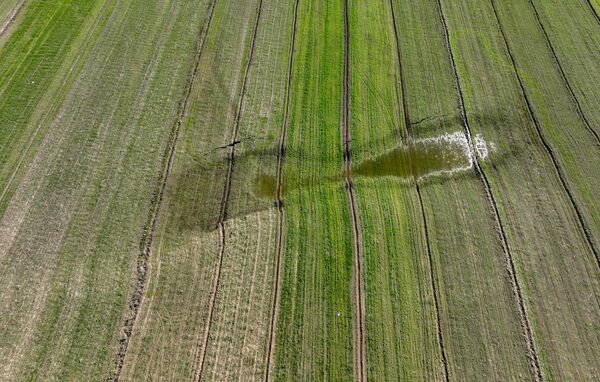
(181, 282)
(9, 11)
(314, 330)
(46, 35)
(239, 337)
(175, 202)
(70, 293)
(529, 187)
(400, 312)
(468, 262)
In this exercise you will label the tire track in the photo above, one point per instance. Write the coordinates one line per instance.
(552, 155)
(360, 356)
(532, 353)
(279, 201)
(593, 10)
(408, 124)
(11, 19)
(147, 236)
(563, 75)
(224, 205)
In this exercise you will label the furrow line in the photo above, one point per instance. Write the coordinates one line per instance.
(406, 118)
(552, 155)
(563, 75)
(147, 236)
(523, 316)
(359, 335)
(11, 19)
(279, 201)
(224, 204)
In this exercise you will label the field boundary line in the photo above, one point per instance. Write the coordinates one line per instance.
(563, 75)
(11, 18)
(148, 233)
(408, 124)
(279, 202)
(532, 354)
(359, 351)
(224, 203)
(557, 167)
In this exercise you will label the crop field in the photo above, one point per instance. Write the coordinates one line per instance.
(341, 190)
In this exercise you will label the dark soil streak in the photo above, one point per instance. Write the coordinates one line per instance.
(551, 154)
(525, 324)
(563, 75)
(421, 206)
(11, 19)
(146, 241)
(224, 204)
(279, 201)
(357, 240)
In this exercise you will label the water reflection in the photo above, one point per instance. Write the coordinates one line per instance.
(419, 159)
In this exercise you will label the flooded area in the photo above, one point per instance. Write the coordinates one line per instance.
(419, 159)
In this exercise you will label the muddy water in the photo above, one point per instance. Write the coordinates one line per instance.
(445, 155)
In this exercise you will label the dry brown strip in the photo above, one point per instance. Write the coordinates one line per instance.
(279, 201)
(551, 154)
(525, 324)
(359, 335)
(224, 204)
(408, 124)
(11, 19)
(146, 242)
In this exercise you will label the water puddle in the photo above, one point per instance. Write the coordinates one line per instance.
(441, 156)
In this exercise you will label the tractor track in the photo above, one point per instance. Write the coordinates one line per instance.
(11, 19)
(148, 233)
(551, 154)
(359, 352)
(279, 201)
(532, 354)
(593, 10)
(563, 75)
(434, 288)
(224, 204)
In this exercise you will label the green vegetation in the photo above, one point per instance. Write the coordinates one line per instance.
(314, 336)
(300, 190)
(527, 184)
(71, 232)
(9, 11)
(466, 250)
(400, 308)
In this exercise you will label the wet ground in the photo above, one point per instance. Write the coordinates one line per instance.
(419, 159)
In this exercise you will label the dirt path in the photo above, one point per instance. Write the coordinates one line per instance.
(224, 205)
(11, 18)
(525, 324)
(359, 335)
(146, 242)
(280, 208)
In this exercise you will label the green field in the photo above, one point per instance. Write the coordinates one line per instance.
(300, 190)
